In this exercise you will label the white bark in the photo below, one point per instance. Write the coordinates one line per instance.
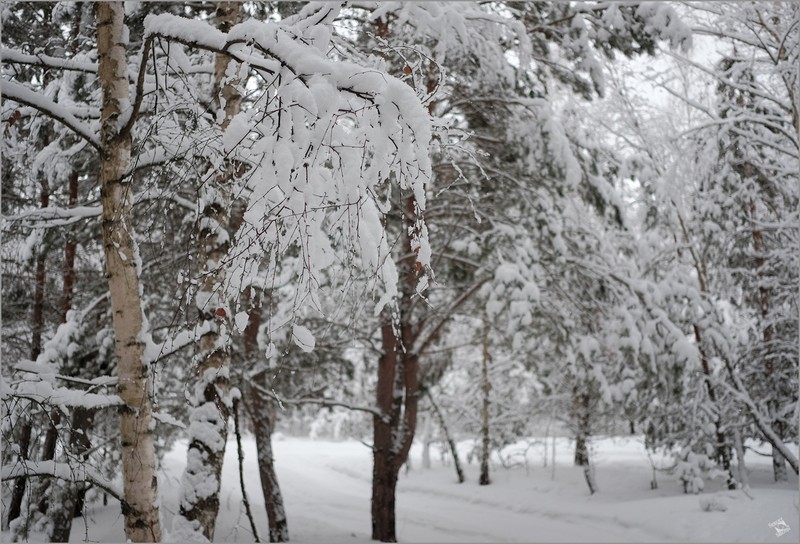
(212, 403)
(140, 505)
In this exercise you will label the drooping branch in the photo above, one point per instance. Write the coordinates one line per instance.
(63, 471)
(22, 95)
(237, 431)
(739, 391)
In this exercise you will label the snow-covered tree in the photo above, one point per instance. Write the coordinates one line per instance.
(312, 152)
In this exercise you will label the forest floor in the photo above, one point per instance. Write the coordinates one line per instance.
(326, 488)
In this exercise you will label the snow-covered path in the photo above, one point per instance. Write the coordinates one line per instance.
(326, 487)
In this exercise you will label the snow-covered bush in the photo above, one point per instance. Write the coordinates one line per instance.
(692, 469)
(713, 503)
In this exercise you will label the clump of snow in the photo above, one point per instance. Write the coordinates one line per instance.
(303, 338)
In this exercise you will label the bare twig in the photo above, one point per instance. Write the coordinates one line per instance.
(245, 501)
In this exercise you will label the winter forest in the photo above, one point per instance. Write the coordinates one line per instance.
(400, 271)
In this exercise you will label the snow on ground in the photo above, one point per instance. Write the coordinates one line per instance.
(326, 488)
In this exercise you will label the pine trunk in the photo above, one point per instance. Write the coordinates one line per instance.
(392, 434)
(384, 471)
(37, 324)
(384, 486)
(397, 395)
(18, 493)
(581, 406)
(779, 470)
(68, 497)
(487, 387)
(262, 417)
(70, 249)
(48, 454)
(140, 506)
(722, 448)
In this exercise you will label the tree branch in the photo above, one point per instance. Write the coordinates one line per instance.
(426, 340)
(326, 403)
(63, 471)
(23, 95)
(137, 101)
(11, 56)
(740, 393)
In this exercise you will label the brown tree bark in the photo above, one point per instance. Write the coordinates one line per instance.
(262, 416)
(37, 325)
(722, 448)
(486, 389)
(779, 470)
(70, 248)
(385, 465)
(140, 507)
(397, 393)
(67, 499)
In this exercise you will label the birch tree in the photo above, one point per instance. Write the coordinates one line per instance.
(312, 151)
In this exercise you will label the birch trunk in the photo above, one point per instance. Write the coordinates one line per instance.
(742, 468)
(140, 505)
(212, 404)
(581, 401)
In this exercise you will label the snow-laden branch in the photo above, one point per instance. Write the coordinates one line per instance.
(22, 95)
(739, 391)
(314, 13)
(43, 392)
(732, 84)
(53, 213)
(45, 373)
(326, 136)
(55, 216)
(63, 471)
(11, 56)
